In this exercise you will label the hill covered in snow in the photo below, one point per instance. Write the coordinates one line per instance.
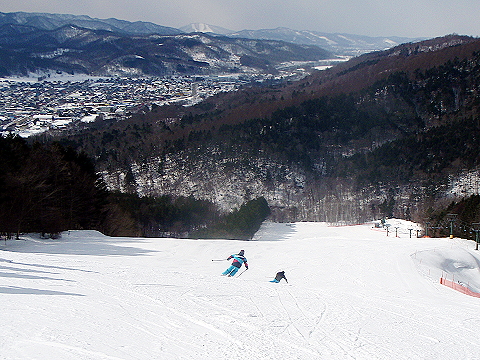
(340, 44)
(352, 293)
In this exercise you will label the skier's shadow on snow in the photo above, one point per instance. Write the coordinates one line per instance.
(25, 273)
(31, 291)
(79, 245)
(19, 270)
(37, 268)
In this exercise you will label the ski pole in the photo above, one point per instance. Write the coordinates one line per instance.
(219, 259)
(242, 272)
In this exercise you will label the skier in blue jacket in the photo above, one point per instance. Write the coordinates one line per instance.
(238, 260)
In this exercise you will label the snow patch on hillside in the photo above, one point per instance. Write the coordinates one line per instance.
(465, 184)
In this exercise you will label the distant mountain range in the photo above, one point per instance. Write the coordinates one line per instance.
(337, 43)
(26, 49)
(54, 21)
(340, 44)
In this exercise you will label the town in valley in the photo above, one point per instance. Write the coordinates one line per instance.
(30, 106)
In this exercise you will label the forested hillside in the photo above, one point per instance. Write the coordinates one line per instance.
(49, 189)
(383, 134)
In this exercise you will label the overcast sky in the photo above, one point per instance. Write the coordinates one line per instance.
(411, 18)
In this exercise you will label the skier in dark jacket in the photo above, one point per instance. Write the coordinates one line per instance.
(280, 275)
(238, 260)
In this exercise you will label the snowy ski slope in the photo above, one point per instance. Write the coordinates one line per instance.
(353, 293)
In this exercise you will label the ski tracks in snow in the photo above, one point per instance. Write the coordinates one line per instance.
(171, 325)
(309, 322)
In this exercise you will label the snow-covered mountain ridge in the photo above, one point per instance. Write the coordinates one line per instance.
(337, 43)
(45, 21)
(105, 53)
(205, 28)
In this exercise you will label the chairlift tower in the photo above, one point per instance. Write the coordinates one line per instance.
(427, 223)
(476, 229)
(451, 218)
(387, 226)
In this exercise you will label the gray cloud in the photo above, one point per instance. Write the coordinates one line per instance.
(422, 18)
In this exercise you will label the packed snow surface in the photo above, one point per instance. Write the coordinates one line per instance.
(353, 293)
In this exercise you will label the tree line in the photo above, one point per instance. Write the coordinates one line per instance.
(49, 188)
(456, 218)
